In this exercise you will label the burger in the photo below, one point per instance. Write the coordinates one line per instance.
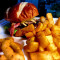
(22, 13)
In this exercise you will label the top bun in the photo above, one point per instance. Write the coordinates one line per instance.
(21, 12)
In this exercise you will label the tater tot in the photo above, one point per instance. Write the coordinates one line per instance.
(29, 28)
(50, 18)
(29, 34)
(31, 47)
(39, 27)
(18, 33)
(47, 31)
(32, 39)
(42, 19)
(42, 40)
(2, 57)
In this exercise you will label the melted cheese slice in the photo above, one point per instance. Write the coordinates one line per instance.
(21, 6)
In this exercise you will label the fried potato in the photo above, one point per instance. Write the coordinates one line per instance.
(18, 33)
(49, 25)
(57, 41)
(47, 35)
(32, 39)
(39, 33)
(47, 31)
(55, 28)
(31, 47)
(55, 33)
(51, 47)
(50, 39)
(42, 40)
(34, 32)
(41, 49)
(42, 19)
(39, 27)
(50, 18)
(29, 34)
(41, 56)
(56, 55)
(58, 22)
(45, 24)
(29, 28)
(47, 42)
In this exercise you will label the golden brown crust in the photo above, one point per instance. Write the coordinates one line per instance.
(28, 12)
(12, 16)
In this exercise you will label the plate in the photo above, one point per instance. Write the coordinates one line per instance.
(19, 40)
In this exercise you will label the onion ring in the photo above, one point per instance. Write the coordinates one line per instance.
(2, 57)
(1, 40)
(12, 51)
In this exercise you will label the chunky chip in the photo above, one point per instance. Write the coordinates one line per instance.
(41, 56)
(31, 47)
(58, 22)
(50, 18)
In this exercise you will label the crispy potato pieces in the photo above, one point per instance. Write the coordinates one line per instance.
(41, 48)
(45, 44)
(51, 47)
(18, 33)
(29, 34)
(57, 41)
(41, 56)
(55, 30)
(56, 55)
(43, 40)
(50, 18)
(31, 47)
(27, 29)
(58, 22)
(50, 39)
(39, 28)
(42, 19)
(47, 31)
(32, 39)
